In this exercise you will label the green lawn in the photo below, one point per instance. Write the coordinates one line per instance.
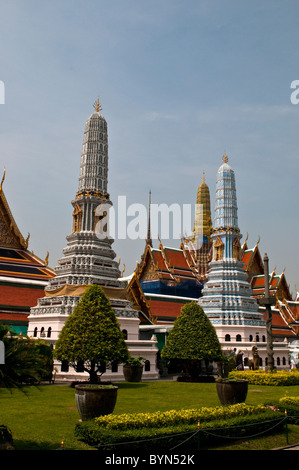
(47, 415)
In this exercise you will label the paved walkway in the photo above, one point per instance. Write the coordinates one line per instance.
(293, 447)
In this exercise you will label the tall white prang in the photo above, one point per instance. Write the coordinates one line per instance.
(88, 257)
(227, 295)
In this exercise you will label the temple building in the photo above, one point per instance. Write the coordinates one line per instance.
(209, 266)
(23, 275)
(285, 316)
(228, 298)
(230, 276)
(89, 258)
(167, 278)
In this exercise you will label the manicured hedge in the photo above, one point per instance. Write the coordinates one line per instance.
(261, 377)
(163, 432)
(176, 417)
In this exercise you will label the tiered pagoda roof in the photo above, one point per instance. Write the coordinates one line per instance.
(164, 269)
(23, 275)
(285, 314)
(163, 282)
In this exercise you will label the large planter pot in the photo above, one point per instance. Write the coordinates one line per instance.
(133, 373)
(95, 400)
(231, 391)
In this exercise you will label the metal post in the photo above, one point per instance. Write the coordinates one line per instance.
(286, 425)
(268, 315)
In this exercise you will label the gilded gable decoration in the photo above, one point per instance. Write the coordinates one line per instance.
(218, 246)
(77, 218)
(236, 249)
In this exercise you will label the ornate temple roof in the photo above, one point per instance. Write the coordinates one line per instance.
(254, 266)
(23, 275)
(285, 319)
(165, 263)
(289, 311)
(16, 260)
(170, 266)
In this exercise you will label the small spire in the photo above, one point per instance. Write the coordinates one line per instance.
(203, 176)
(97, 105)
(225, 158)
(3, 178)
(149, 238)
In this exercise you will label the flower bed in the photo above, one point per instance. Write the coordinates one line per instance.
(163, 430)
(260, 377)
(174, 417)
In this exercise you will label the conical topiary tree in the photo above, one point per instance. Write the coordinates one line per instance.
(91, 336)
(192, 339)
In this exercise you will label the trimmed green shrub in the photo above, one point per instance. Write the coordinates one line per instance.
(167, 437)
(176, 417)
(261, 377)
(192, 339)
(91, 336)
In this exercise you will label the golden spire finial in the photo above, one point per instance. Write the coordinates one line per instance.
(3, 178)
(97, 106)
(225, 158)
(203, 176)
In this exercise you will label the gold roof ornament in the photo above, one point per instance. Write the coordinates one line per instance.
(97, 106)
(3, 178)
(27, 240)
(225, 158)
(122, 273)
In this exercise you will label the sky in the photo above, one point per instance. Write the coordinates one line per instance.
(180, 82)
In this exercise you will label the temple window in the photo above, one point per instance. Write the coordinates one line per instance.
(49, 332)
(125, 333)
(238, 338)
(147, 366)
(80, 366)
(64, 366)
(35, 332)
(227, 337)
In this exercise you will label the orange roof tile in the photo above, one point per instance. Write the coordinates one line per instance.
(176, 258)
(246, 258)
(165, 309)
(258, 281)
